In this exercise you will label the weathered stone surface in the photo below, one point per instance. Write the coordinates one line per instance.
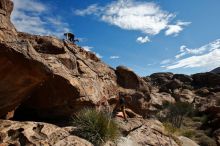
(187, 142)
(161, 78)
(7, 30)
(137, 101)
(183, 78)
(216, 70)
(214, 117)
(57, 84)
(202, 92)
(37, 133)
(206, 79)
(140, 132)
(170, 86)
(150, 133)
(47, 76)
(128, 79)
(184, 95)
(158, 99)
(217, 136)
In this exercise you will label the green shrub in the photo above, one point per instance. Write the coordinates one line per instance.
(188, 133)
(170, 128)
(203, 119)
(206, 141)
(96, 127)
(177, 112)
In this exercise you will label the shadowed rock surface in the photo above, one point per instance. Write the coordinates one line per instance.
(43, 78)
(216, 70)
(45, 75)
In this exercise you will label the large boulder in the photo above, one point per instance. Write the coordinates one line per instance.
(37, 133)
(140, 132)
(56, 83)
(186, 79)
(184, 95)
(207, 79)
(137, 101)
(187, 142)
(46, 77)
(216, 70)
(213, 113)
(170, 86)
(126, 78)
(161, 78)
(159, 99)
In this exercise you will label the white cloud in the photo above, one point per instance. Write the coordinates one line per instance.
(98, 55)
(33, 17)
(176, 29)
(207, 56)
(212, 59)
(29, 5)
(143, 40)
(87, 48)
(114, 57)
(146, 17)
(166, 61)
(92, 9)
(184, 50)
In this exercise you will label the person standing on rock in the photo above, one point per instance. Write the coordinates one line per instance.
(121, 106)
(70, 37)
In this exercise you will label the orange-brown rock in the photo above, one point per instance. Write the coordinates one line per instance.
(140, 132)
(36, 133)
(48, 77)
(7, 30)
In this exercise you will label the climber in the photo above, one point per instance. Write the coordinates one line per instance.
(70, 37)
(121, 106)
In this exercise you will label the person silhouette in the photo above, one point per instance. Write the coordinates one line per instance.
(70, 37)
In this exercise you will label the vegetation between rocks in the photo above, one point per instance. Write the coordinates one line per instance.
(182, 119)
(94, 126)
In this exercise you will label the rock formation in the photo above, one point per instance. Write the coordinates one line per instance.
(47, 76)
(35, 133)
(216, 70)
(43, 78)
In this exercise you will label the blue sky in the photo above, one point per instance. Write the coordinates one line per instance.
(147, 36)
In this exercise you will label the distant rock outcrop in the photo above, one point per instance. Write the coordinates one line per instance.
(43, 78)
(216, 70)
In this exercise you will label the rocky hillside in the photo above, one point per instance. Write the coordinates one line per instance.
(46, 79)
(216, 70)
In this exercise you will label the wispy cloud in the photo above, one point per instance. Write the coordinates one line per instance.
(114, 57)
(166, 61)
(98, 55)
(176, 29)
(143, 40)
(92, 9)
(89, 49)
(184, 50)
(33, 17)
(146, 17)
(207, 56)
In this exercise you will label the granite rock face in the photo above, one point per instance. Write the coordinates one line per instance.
(6, 27)
(37, 133)
(48, 76)
(42, 77)
(140, 132)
